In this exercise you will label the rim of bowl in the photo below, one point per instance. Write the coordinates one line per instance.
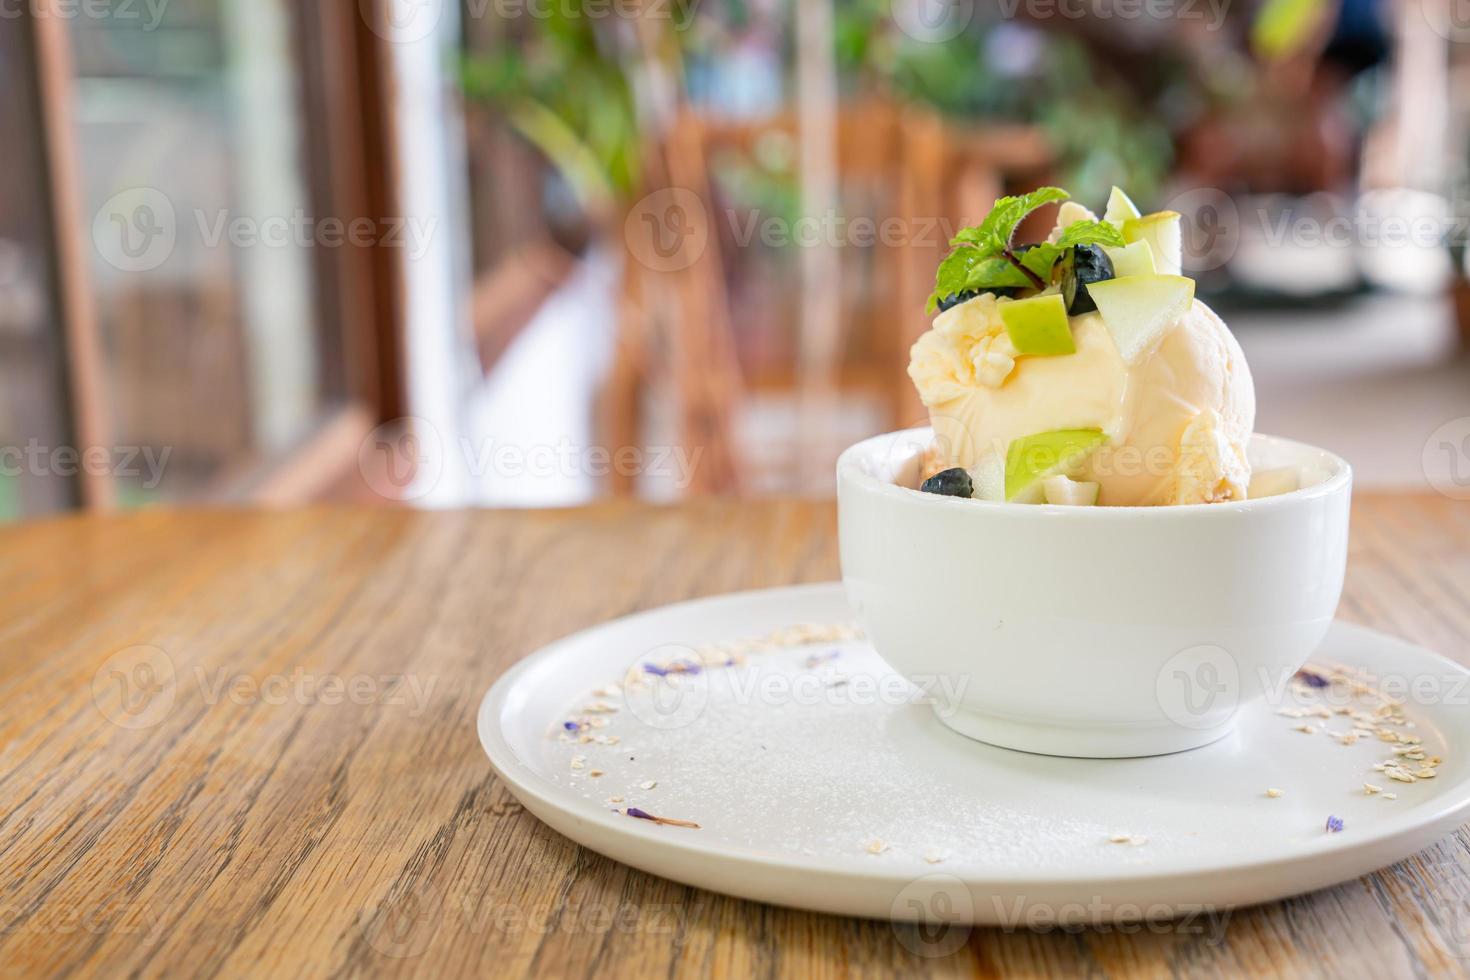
(849, 469)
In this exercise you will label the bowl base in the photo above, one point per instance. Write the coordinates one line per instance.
(1120, 742)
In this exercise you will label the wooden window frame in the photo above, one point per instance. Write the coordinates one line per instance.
(345, 81)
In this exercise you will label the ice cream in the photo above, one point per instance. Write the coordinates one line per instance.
(1149, 399)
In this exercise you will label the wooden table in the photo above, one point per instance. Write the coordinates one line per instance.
(244, 812)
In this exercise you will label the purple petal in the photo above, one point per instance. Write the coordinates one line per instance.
(1312, 678)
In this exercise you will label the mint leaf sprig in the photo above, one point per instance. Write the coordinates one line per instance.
(985, 257)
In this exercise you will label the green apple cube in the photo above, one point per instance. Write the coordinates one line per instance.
(1271, 483)
(1136, 259)
(1120, 209)
(989, 477)
(1062, 489)
(1138, 310)
(1031, 459)
(1039, 325)
(1164, 231)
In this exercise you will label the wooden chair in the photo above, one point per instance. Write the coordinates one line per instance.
(676, 326)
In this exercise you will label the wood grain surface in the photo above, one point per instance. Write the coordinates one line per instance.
(240, 743)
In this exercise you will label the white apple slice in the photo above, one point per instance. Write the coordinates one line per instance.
(1136, 259)
(1120, 209)
(1164, 231)
(989, 477)
(1062, 489)
(1138, 310)
(1271, 483)
(1069, 214)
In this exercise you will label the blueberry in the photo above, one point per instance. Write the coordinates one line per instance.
(954, 482)
(955, 299)
(1082, 266)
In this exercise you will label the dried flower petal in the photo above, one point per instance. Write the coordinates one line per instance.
(633, 811)
(1312, 679)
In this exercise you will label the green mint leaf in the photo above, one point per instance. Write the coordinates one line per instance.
(1091, 233)
(993, 234)
(968, 269)
(995, 273)
(954, 271)
(1042, 257)
(978, 260)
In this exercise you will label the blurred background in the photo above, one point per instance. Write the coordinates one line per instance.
(541, 252)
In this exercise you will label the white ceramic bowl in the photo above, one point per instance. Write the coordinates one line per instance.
(1097, 632)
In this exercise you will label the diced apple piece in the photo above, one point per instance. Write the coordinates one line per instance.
(1039, 325)
(1164, 231)
(1031, 459)
(1136, 259)
(1270, 483)
(1138, 310)
(1062, 489)
(989, 477)
(1120, 209)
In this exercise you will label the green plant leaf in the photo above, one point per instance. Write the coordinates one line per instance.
(995, 231)
(1042, 257)
(978, 259)
(968, 268)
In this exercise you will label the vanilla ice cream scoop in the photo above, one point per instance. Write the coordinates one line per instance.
(1177, 416)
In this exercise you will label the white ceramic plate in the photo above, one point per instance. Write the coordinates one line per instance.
(819, 783)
